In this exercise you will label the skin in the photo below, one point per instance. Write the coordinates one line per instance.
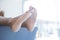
(29, 23)
(27, 20)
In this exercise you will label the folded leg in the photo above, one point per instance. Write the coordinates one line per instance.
(16, 23)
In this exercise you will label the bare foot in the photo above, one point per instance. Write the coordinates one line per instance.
(16, 23)
(29, 23)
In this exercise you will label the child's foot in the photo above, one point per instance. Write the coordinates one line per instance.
(29, 23)
(17, 23)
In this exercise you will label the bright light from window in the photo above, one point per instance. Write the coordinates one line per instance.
(46, 9)
(48, 15)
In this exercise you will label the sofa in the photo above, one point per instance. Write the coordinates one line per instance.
(7, 34)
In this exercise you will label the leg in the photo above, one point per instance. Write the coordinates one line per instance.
(29, 23)
(16, 22)
(4, 21)
(1, 13)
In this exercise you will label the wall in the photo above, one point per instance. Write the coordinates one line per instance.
(11, 8)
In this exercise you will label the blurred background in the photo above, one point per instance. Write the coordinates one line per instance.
(48, 19)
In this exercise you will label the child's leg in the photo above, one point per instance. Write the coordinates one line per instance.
(4, 21)
(1, 13)
(16, 23)
(27, 19)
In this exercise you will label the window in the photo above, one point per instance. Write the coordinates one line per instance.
(48, 18)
